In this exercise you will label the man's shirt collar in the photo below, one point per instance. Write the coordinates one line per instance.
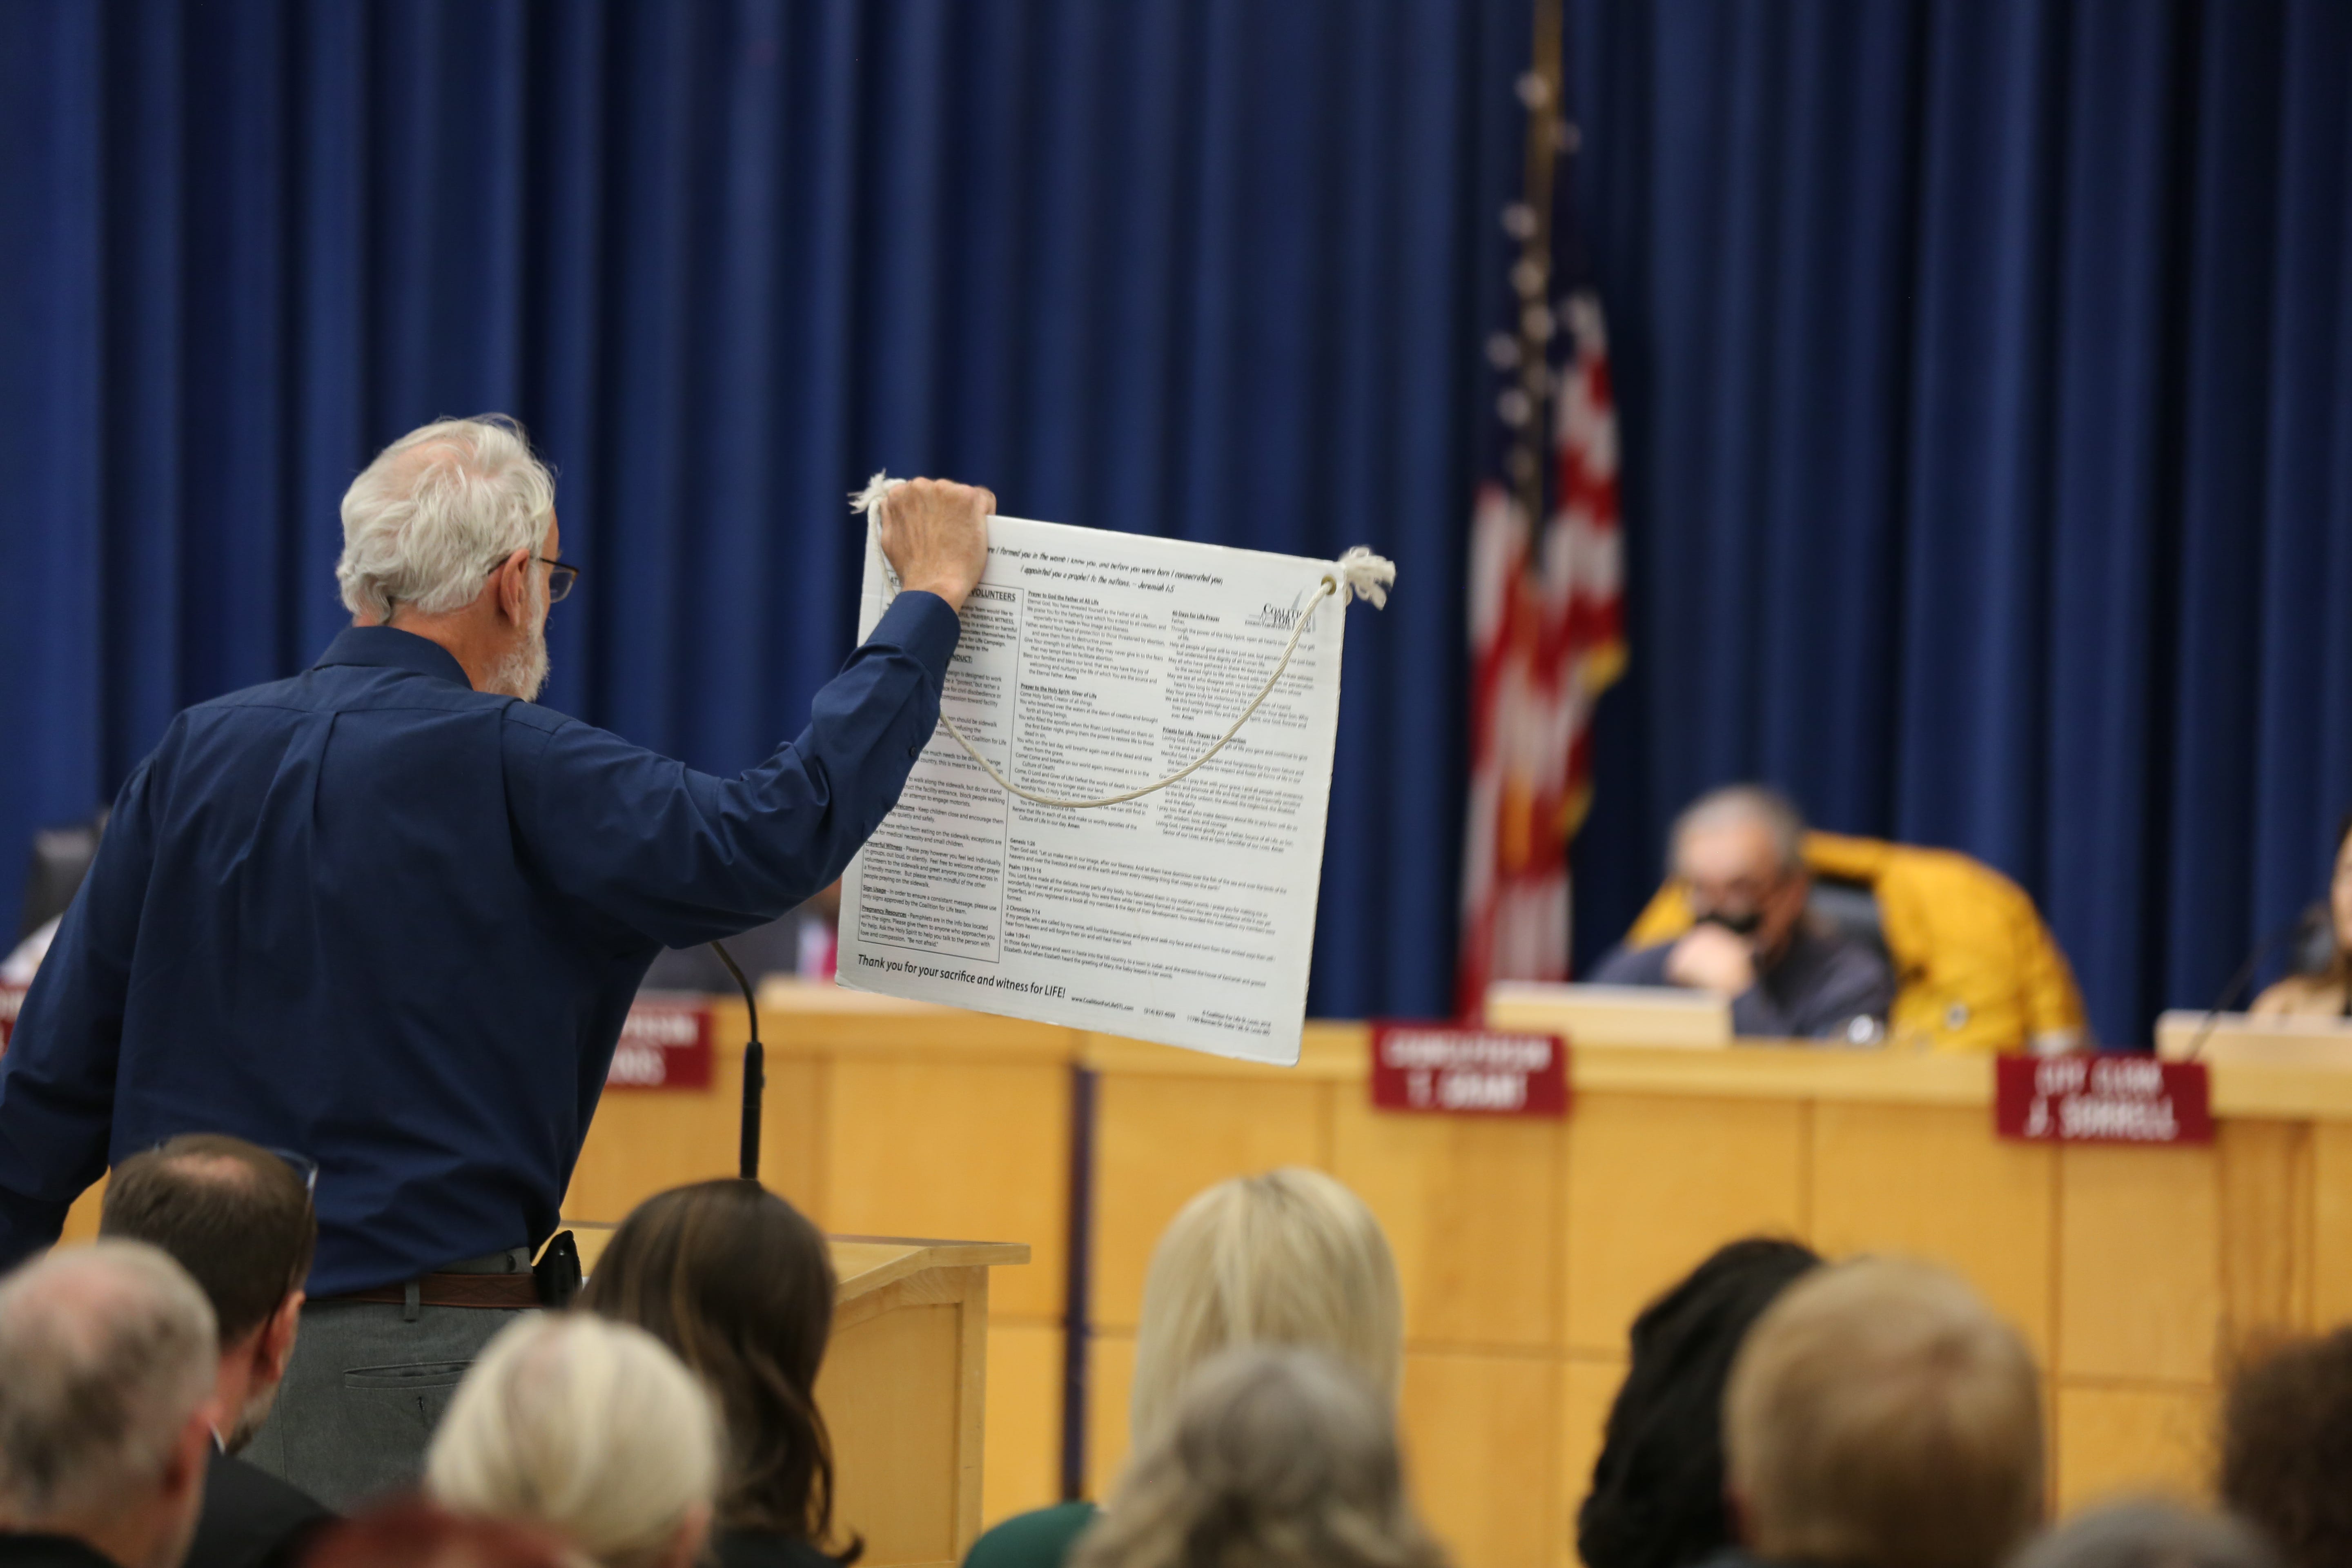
(390, 647)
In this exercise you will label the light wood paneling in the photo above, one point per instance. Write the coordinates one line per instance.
(1161, 1139)
(1110, 1373)
(81, 1220)
(1024, 1446)
(1471, 1206)
(2331, 1224)
(1884, 1179)
(2121, 1441)
(2140, 1268)
(645, 1142)
(2265, 1230)
(921, 1147)
(1655, 1183)
(903, 1366)
(1481, 1436)
(1588, 1388)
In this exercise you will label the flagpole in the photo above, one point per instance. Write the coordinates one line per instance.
(1539, 89)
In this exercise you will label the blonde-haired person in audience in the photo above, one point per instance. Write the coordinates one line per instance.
(1268, 1459)
(587, 1429)
(1879, 1416)
(1289, 1257)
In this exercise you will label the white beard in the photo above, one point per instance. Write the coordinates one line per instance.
(523, 671)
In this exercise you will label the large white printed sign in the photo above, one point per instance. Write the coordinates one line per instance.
(1093, 663)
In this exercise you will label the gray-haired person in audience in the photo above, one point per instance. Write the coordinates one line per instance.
(108, 1357)
(2149, 1535)
(1287, 1258)
(589, 1429)
(237, 1217)
(1271, 1459)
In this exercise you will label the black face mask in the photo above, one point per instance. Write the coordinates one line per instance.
(1745, 923)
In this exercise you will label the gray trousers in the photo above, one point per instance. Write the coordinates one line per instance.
(362, 1393)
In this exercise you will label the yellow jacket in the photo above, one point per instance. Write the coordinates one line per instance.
(1975, 968)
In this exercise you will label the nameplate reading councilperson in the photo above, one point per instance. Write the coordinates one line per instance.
(388, 916)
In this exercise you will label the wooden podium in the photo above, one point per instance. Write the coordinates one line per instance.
(903, 1391)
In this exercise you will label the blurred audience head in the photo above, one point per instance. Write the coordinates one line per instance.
(434, 516)
(106, 1428)
(2149, 1535)
(2286, 1447)
(1658, 1489)
(590, 1429)
(1270, 1458)
(741, 1285)
(409, 1533)
(237, 1217)
(1290, 1258)
(1879, 1413)
(1738, 853)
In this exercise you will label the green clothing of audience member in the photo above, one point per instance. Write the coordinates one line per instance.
(1042, 1538)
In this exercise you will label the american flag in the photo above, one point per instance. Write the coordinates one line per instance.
(1546, 605)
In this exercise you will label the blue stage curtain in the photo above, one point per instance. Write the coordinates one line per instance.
(1215, 271)
(1986, 373)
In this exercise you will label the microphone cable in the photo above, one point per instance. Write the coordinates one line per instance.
(2300, 926)
(755, 1072)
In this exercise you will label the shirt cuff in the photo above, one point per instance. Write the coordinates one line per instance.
(920, 625)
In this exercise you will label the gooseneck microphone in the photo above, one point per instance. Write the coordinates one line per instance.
(2306, 921)
(755, 1072)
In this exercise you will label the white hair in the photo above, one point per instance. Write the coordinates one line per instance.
(588, 1428)
(109, 1349)
(1768, 808)
(436, 510)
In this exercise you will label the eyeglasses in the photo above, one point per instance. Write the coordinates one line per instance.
(560, 575)
(305, 1167)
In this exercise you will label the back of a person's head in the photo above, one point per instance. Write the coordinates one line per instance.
(409, 1533)
(1879, 1414)
(235, 1216)
(2149, 1535)
(1658, 1487)
(2286, 1447)
(589, 1428)
(741, 1285)
(1270, 1458)
(109, 1353)
(1290, 1258)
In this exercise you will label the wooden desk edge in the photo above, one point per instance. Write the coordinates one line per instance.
(916, 1255)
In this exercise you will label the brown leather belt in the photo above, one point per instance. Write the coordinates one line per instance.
(507, 1291)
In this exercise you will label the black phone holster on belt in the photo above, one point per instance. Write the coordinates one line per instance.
(557, 1272)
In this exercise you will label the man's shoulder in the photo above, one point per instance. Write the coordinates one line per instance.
(251, 1518)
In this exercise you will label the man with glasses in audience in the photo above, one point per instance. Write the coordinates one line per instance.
(390, 913)
(238, 1219)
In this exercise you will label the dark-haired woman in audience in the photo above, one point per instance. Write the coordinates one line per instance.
(1658, 1489)
(741, 1285)
(2327, 993)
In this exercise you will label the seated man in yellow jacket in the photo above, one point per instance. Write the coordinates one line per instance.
(1738, 853)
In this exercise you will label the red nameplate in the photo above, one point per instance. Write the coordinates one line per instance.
(1452, 1070)
(664, 1045)
(2101, 1100)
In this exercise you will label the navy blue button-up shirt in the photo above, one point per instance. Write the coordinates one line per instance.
(374, 916)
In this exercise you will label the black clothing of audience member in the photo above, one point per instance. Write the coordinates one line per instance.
(50, 1551)
(1657, 1488)
(741, 1285)
(253, 1520)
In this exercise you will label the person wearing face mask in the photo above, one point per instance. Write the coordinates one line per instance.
(389, 914)
(1738, 853)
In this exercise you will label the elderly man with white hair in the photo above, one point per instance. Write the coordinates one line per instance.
(1738, 854)
(107, 1365)
(387, 916)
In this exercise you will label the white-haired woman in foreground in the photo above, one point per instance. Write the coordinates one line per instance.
(1271, 1459)
(1289, 1257)
(589, 1428)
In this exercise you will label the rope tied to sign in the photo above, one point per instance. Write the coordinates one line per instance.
(1358, 573)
